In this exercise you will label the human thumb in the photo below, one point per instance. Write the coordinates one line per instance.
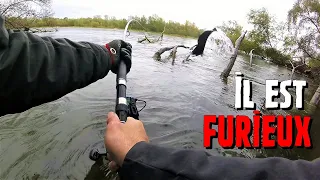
(112, 118)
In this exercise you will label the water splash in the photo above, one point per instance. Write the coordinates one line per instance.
(218, 44)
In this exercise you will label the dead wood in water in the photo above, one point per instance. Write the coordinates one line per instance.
(150, 40)
(144, 39)
(173, 54)
(43, 30)
(157, 55)
(233, 58)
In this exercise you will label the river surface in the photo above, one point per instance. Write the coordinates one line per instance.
(52, 141)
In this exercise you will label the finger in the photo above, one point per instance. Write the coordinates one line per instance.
(125, 44)
(109, 157)
(125, 55)
(131, 120)
(127, 59)
(112, 118)
(127, 50)
(113, 166)
(129, 46)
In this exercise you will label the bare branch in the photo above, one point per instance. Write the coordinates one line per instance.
(300, 65)
(16, 10)
(311, 20)
(160, 38)
(291, 63)
(157, 55)
(12, 5)
(173, 54)
(233, 58)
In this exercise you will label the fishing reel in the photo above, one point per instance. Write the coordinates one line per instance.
(132, 111)
(132, 107)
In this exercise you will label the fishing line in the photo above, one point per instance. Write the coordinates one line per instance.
(145, 104)
(126, 31)
(131, 101)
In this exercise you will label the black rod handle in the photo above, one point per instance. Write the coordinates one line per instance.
(121, 102)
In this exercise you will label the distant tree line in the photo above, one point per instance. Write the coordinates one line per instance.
(149, 24)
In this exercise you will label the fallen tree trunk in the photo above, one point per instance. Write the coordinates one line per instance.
(157, 55)
(42, 30)
(233, 58)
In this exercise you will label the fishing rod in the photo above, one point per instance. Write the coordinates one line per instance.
(121, 103)
(125, 106)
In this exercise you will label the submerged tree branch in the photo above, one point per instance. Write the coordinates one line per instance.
(146, 38)
(157, 55)
(173, 54)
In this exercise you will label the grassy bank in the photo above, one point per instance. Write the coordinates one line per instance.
(130, 30)
(153, 24)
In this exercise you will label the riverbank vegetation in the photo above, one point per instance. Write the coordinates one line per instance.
(293, 43)
(283, 43)
(149, 24)
(37, 13)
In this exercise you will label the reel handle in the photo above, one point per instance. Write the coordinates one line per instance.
(121, 102)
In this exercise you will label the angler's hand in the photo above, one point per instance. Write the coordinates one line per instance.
(123, 52)
(120, 138)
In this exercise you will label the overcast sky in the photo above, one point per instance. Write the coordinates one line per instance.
(205, 13)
